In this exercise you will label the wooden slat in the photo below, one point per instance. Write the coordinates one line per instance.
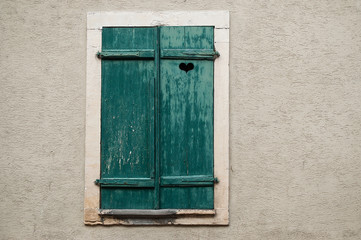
(202, 54)
(125, 182)
(201, 180)
(127, 54)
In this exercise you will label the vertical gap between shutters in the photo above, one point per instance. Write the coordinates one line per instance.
(157, 120)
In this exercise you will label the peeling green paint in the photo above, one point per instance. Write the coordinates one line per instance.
(157, 120)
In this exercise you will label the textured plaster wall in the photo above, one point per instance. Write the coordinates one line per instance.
(295, 142)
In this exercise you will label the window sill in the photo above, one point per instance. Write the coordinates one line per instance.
(163, 217)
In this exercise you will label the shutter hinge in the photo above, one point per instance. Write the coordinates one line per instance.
(96, 182)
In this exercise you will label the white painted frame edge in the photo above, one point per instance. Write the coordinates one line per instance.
(95, 22)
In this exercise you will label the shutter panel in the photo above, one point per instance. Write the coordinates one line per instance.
(186, 117)
(127, 118)
(172, 70)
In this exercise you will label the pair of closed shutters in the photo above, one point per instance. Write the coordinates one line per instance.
(157, 118)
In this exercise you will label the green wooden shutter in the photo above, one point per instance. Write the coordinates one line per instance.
(127, 118)
(157, 118)
(186, 119)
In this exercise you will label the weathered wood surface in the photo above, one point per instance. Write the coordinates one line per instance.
(157, 118)
(186, 104)
(127, 118)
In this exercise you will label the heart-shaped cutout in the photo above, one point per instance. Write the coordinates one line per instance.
(186, 67)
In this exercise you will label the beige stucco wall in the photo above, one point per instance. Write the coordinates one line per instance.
(295, 117)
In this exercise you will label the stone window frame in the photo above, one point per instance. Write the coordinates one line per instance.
(95, 22)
